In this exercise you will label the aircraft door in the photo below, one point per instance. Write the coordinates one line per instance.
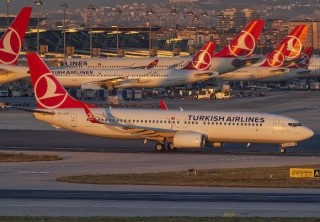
(276, 125)
(73, 120)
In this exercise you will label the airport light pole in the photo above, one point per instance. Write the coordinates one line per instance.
(38, 3)
(174, 13)
(149, 12)
(90, 8)
(118, 11)
(196, 21)
(64, 5)
(8, 2)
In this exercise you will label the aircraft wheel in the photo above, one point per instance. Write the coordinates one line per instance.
(171, 147)
(159, 147)
(282, 150)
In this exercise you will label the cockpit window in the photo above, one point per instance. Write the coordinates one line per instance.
(294, 124)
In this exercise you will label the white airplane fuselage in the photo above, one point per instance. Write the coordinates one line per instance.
(216, 127)
(218, 64)
(128, 78)
(10, 73)
(253, 73)
(117, 78)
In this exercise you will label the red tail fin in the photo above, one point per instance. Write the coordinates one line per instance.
(289, 48)
(245, 42)
(295, 41)
(48, 91)
(202, 60)
(12, 40)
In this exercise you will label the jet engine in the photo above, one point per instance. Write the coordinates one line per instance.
(189, 140)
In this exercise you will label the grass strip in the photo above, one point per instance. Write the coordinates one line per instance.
(156, 219)
(22, 157)
(268, 177)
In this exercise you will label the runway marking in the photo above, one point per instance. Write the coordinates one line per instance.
(36, 172)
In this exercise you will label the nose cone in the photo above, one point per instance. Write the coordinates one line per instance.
(307, 133)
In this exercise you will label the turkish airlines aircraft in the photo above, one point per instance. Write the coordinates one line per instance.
(179, 129)
(235, 55)
(11, 43)
(314, 69)
(289, 48)
(195, 70)
(298, 67)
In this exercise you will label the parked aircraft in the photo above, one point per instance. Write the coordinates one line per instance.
(289, 48)
(177, 128)
(11, 43)
(196, 70)
(237, 54)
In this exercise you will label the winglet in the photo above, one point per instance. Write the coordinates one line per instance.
(153, 64)
(12, 40)
(90, 116)
(202, 60)
(163, 105)
(245, 42)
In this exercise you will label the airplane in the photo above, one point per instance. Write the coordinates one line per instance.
(237, 54)
(177, 128)
(11, 43)
(289, 48)
(298, 68)
(195, 71)
(314, 68)
(233, 56)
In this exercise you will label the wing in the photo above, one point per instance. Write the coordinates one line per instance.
(148, 133)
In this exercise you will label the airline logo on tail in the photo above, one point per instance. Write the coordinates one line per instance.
(202, 60)
(11, 42)
(276, 59)
(245, 42)
(244, 46)
(295, 41)
(9, 54)
(294, 47)
(47, 93)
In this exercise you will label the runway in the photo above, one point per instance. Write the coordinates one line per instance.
(32, 189)
(119, 203)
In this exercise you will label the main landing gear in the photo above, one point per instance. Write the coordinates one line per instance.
(160, 147)
(282, 150)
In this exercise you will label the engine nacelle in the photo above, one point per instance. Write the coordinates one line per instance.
(189, 140)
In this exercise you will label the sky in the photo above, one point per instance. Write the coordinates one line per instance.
(16, 5)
